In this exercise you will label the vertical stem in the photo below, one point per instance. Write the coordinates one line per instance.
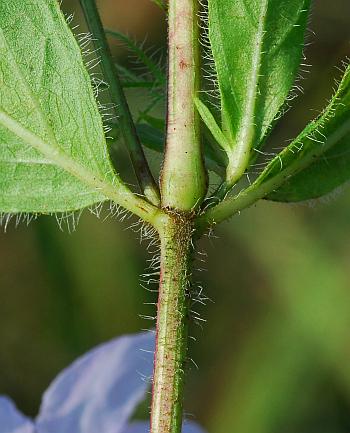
(125, 121)
(184, 178)
(183, 187)
(172, 323)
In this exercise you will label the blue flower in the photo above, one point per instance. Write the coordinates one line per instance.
(96, 394)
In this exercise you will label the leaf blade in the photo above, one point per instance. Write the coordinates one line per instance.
(211, 124)
(323, 135)
(46, 91)
(332, 169)
(257, 47)
(322, 151)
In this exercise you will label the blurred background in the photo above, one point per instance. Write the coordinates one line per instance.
(274, 353)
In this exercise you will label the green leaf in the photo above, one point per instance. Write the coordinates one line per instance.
(152, 78)
(322, 177)
(326, 141)
(257, 48)
(156, 122)
(53, 154)
(211, 124)
(151, 137)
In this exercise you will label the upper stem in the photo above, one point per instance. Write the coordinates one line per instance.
(184, 178)
(125, 121)
(172, 323)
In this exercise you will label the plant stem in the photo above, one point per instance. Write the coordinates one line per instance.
(172, 323)
(184, 178)
(125, 121)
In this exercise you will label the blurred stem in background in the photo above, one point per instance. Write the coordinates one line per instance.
(271, 380)
(64, 312)
(306, 336)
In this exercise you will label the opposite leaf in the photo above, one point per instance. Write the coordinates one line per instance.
(326, 141)
(46, 99)
(257, 48)
(316, 162)
(322, 177)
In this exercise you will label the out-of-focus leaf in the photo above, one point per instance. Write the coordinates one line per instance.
(326, 141)
(155, 122)
(257, 48)
(131, 80)
(152, 77)
(151, 137)
(160, 3)
(152, 67)
(52, 145)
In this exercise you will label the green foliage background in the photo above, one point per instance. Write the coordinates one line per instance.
(274, 354)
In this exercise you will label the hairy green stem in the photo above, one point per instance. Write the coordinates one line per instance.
(172, 323)
(125, 121)
(184, 178)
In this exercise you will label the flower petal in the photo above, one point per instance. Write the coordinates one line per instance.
(143, 427)
(100, 390)
(137, 427)
(191, 427)
(11, 420)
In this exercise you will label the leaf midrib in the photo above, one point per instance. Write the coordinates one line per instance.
(51, 150)
(30, 93)
(48, 128)
(245, 136)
